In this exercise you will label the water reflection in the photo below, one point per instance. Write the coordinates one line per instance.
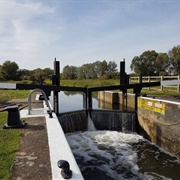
(70, 101)
(73, 101)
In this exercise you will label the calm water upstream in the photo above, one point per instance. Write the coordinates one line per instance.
(112, 155)
(69, 101)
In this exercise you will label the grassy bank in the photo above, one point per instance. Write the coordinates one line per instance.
(97, 82)
(9, 138)
(6, 95)
(9, 144)
(89, 82)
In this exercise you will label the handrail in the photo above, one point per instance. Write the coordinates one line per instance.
(45, 97)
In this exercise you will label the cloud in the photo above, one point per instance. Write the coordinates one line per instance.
(77, 32)
(26, 30)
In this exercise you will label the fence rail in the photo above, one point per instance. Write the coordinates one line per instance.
(137, 79)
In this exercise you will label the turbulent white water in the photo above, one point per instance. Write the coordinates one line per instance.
(91, 126)
(114, 155)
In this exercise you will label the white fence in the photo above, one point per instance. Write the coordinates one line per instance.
(136, 79)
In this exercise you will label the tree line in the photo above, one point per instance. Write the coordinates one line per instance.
(149, 63)
(10, 71)
(90, 70)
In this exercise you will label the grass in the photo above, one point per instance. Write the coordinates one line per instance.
(6, 95)
(157, 92)
(89, 82)
(9, 138)
(97, 82)
(161, 93)
(9, 144)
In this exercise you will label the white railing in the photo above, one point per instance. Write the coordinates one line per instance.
(136, 79)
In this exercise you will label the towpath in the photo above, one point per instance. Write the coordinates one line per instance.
(32, 161)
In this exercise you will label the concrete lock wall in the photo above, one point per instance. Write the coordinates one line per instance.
(107, 99)
(161, 120)
(130, 103)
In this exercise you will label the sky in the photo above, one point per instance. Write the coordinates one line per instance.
(75, 32)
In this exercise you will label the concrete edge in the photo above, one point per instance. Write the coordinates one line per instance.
(161, 100)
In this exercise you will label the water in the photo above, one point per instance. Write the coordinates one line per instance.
(91, 126)
(72, 101)
(112, 155)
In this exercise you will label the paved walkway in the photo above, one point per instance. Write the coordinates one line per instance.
(32, 161)
(42, 145)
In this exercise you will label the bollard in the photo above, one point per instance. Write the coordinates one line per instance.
(65, 172)
(13, 118)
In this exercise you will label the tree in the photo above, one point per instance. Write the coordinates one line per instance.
(162, 64)
(111, 67)
(23, 74)
(90, 71)
(101, 68)
(47, 72)
(145, 63)
(174, 56)
(70, 72)
(35, 75)
(87, 71)
(9, 70)
(81, 73)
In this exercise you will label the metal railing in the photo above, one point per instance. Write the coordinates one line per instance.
(45, 98)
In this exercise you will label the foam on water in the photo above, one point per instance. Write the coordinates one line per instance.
(115, 155)
(91, 126)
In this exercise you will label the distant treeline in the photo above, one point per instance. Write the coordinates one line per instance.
(10, 71)
(94, 70)
(149, 63)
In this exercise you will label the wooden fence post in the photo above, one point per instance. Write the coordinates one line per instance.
(161, 81)
(149, 80)
(178, 85)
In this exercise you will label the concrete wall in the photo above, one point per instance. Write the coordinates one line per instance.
(108, 97)
(161, 120)
(130, 103)
(109, 100)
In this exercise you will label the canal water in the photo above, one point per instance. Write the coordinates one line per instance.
(72, 101)
(112, 155)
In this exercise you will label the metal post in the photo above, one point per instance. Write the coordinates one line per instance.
(56, 83)
(124, 79)
(85, 100)
(89, 99)
(122, 72)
